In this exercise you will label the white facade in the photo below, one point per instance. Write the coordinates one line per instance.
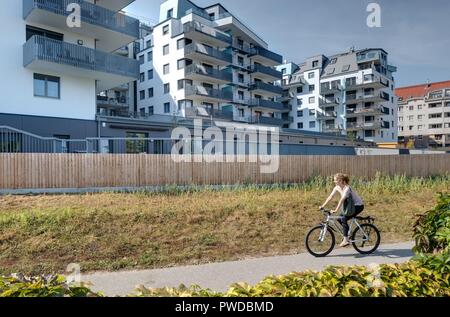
(78, 86)
(210, 73)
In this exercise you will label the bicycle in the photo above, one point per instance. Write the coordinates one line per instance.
(365, 237)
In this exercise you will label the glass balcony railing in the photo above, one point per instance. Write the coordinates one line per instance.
(263, 103)
(90, 13)
(209, 92)
(265, 70)
(211, 52)
(195, 112)
(266, 87)
(209, 72)
(48, 50)
(267, 54)
(195, 26)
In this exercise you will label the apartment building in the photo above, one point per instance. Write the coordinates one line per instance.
(350, 93)
(205, 63)
(424, 115)
(53, 69)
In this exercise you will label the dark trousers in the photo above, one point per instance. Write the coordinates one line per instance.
(344, 220)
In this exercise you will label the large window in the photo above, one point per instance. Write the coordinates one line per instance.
(166, 69)
(31, 30)
(167, 107)
(150, 74)
(150, 92)
(165, 29)
(166, 49)
(166, 88)
(46, 86)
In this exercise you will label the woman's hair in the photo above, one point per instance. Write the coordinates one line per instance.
(342, 177)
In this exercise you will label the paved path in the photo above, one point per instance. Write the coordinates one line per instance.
(218, 276)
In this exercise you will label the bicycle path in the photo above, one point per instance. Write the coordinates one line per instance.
(219, 276)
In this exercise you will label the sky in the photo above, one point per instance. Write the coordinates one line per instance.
(413, 32)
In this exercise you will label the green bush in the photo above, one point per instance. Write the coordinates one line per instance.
(52, 286)
(432, 230)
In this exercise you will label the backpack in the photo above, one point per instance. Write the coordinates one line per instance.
(349, 205)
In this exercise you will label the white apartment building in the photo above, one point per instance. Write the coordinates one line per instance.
(350, 93)
(424, 115)
(52, 71)
(205, 63)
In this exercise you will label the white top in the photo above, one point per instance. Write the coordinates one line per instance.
(346, 191)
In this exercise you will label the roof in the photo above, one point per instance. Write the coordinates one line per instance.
(420, 91)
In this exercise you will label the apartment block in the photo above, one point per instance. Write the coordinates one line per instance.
(424, 115)
(53, 69)
(205, 63)
(350, 94)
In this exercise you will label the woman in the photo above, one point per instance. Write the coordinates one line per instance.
(343, 188)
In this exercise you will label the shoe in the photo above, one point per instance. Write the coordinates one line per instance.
(344, 244)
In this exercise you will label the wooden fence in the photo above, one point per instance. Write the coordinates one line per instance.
(81, 171)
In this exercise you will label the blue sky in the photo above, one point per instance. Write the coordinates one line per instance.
(413, 32)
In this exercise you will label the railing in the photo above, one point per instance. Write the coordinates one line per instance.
(267, 54)
(266, 87)
(90, 13)
(327, 89)
(194, 26)
(331, 127)
(327, 115)
(49, 50)
(263, 103)
(362, 126)
(197, 48)
(209, 92)
(376, 111)
(353, 98)
(207, 71)
(117, 101)
(266, 120)
(328, 102)
(209, 113)
(350, 85)
(265, 70)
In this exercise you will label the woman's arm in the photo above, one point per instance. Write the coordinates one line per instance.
(328, 199)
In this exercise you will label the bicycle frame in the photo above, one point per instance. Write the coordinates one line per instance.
(331, 223)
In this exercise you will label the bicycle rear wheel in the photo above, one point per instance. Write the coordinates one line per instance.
(366, 239)
(320, 241)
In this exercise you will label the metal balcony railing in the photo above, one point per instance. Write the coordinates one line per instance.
(197, 48)
(49, 50)
(209, 72)
(267, 54)
(265, 70)
(266, 120)
(195, 26)
(327, 115)
(111, 102)
(208, 113)
(263, 103)
(90, 13)
(266, 87)
(209, 92)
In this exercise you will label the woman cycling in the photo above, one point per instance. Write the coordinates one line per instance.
(343, 188)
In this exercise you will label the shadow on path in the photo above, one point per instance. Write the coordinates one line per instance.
(391, 254)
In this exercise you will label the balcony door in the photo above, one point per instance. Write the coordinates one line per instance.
(31, 31)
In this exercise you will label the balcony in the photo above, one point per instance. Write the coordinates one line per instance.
(266, 121)
(202, 33)
(287, 119)
(112, 29)
(203, 53)
(43, 54)
(374, 111)
(327, 115)
(265, 57)
(263, 88)
(266, 73)
(374, 82)
(329, 90)
(202, 73)
(112, 103)
(375, 97)
(331, 128)
(203, 112)
(264, 104)
(208, 94)
(354, 126)
(329, 102)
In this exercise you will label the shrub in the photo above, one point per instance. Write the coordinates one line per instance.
(432, 230)
(51, 286)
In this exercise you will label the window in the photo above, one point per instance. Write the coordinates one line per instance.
(410, 118)
(183, 104)
(411, 108)
(167, 107)
(166, 49)
(420, 127)
(435, 115)
(148, 44)
(300, 89)
(142, 112)
(166, 88)
(333, 61)
(420, 117)
(46, 86)
(241, 95)
(312, 124)
(315, 63)
(300, 125)
(311, 75)
(165, 29)
(241, 61)
(149, 56)
(312, 99)
(141, 59)
(283, 71)
(299, 102)
(170, 13)
(142, 77)
(150, 74)
(241, 78)
(400, 119)
(142, 95)
(311, 88)
(151, 111)
(419, 107)
(241, 113)
(150, 92)
(300, 113)
(182, 83)
(31, 30)
(166, 69)
(312, 112)
(180, 44)
(400, 108)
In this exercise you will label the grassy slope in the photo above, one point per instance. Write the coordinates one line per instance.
(42, 234)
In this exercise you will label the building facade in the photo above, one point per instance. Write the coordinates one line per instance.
(424, 115)
(350, 93)
(204, 62)
(53, 69)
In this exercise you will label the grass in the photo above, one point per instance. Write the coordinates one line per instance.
(114, 231)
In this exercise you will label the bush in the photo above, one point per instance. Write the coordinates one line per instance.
(52, 286)
(432, 230)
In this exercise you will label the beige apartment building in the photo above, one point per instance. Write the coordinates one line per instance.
(424, 115)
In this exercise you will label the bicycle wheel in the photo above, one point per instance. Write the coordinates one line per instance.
(320, 247)
(366, 239)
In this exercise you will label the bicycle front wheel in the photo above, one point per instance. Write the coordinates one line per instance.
(320, 241)
(366, 239)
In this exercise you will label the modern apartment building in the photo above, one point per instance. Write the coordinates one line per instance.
(205, 63)
(424, 115)
(53, 69)
(350, 93)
